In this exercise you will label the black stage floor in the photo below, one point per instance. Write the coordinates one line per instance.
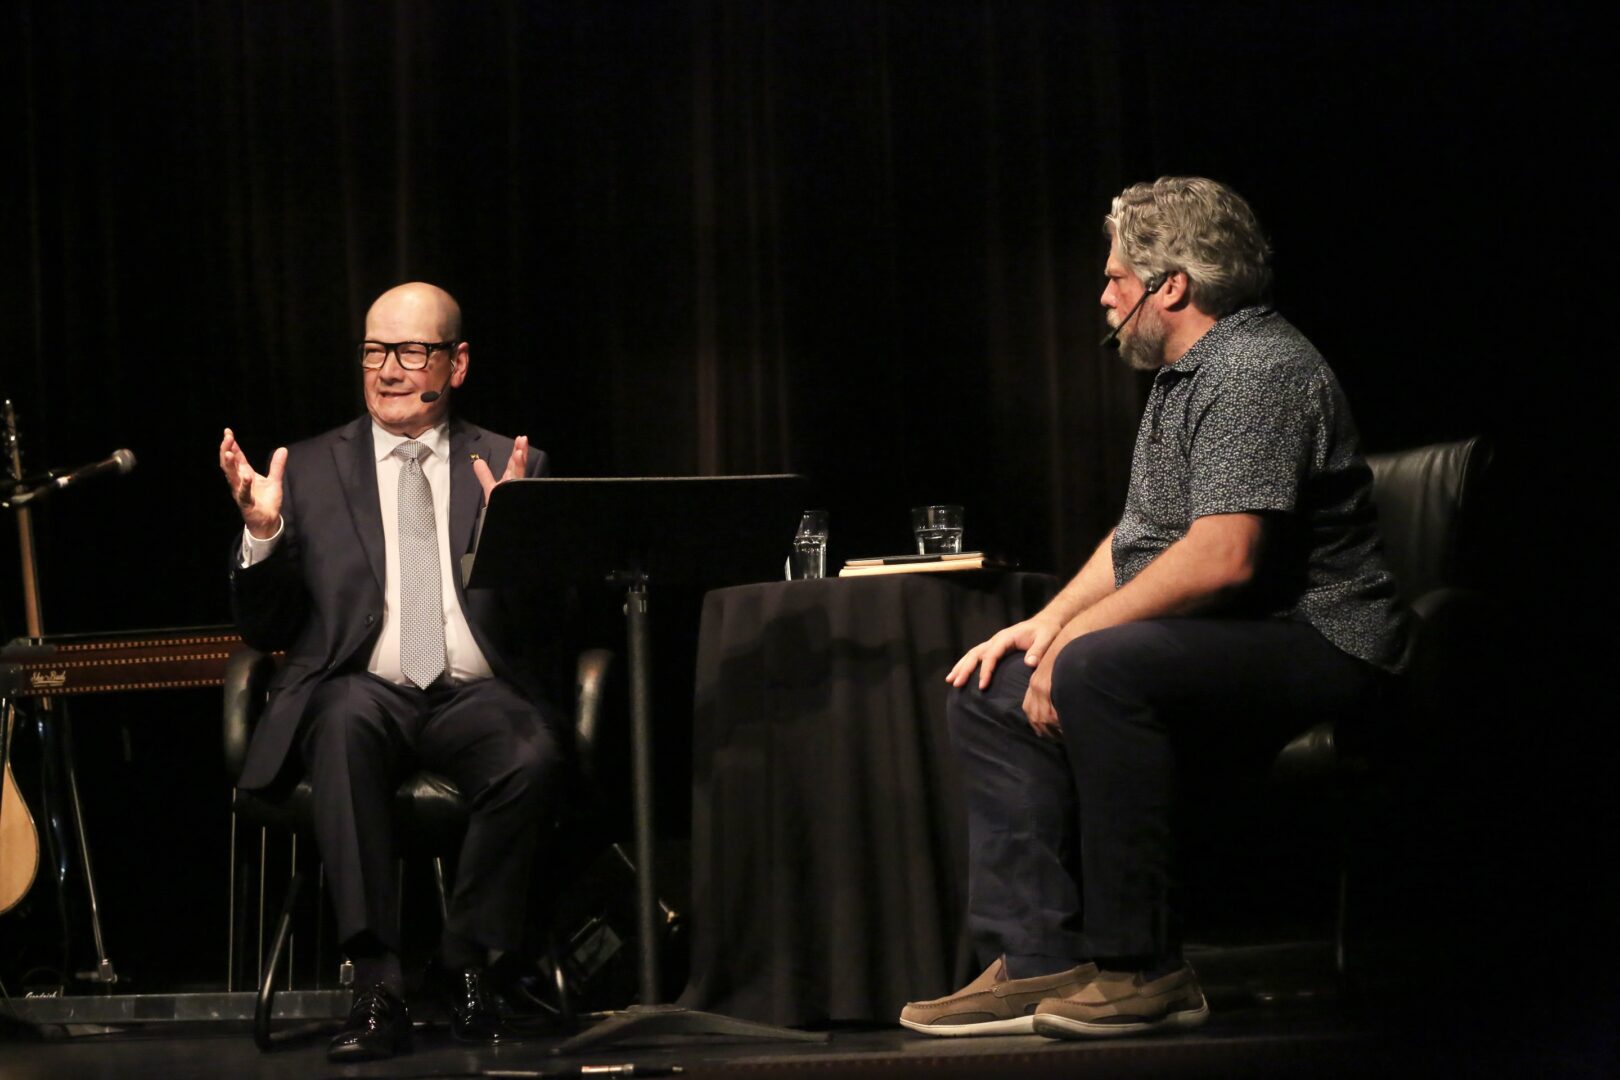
(1269, 1018)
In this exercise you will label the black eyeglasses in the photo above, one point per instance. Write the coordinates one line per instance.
(412, 355)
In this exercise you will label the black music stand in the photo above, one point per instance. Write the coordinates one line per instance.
(707, 531)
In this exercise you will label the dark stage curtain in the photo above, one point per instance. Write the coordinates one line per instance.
(855, 240)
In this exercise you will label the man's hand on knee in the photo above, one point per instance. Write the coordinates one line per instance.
(1033, 636)
(1038, 706)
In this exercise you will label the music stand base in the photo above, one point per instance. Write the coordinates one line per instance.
(646, 1024)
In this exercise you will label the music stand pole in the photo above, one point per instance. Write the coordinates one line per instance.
(562, 531)
(638, 636)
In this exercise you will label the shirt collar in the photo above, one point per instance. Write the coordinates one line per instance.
(436, 439)
(1209, 346)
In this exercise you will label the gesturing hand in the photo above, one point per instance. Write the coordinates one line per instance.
(517, 467)
(257, 496)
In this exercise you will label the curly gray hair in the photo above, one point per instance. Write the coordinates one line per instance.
(1199, 227)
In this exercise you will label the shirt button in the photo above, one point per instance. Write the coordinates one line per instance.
(370, 619)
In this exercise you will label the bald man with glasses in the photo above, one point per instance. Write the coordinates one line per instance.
(348, 560)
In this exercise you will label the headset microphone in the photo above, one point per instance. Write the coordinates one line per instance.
(430, 396)
(1154, 284)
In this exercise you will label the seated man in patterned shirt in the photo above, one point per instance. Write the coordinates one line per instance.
(1243, 585)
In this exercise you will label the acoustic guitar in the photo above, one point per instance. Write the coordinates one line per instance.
(19, 839)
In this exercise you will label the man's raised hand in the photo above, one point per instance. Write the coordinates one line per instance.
(257, 496)
(517, 467)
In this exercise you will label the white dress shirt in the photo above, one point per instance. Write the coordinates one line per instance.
(466, 661)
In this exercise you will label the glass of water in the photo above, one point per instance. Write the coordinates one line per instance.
(809, 556)
(938, 529)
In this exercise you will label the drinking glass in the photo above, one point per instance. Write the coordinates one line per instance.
(938, 529)
(809, 556)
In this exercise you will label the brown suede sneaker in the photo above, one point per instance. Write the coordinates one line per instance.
(993, 1004)
(1120, 1003)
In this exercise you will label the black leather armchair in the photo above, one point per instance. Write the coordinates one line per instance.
(1428, 501)
(430, 814)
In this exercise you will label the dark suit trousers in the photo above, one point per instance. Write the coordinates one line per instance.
(1070, 840)
(362, 736)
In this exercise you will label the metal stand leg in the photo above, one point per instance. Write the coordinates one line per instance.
(292, 937)
(264, 845)
(636, 616)
(104, 973)
(230, 910)
(267, 986)
(440, 888)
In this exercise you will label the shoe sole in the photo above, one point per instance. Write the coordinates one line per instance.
(1062, 1027)
(1018, 1025)
(365, 1055)
(353, 1055)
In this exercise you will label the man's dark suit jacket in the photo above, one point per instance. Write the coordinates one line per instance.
(319, 594)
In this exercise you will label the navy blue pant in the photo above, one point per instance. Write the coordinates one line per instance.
(1070, 839)
(363, 736)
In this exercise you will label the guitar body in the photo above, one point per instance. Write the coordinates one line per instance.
(19, 842)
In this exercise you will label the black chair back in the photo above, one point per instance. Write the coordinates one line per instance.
(1425, 497)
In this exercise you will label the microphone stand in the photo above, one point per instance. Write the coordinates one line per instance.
(58, 736)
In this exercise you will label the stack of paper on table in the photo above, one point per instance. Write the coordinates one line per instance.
(919, 564)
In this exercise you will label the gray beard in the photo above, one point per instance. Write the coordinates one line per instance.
(1144, 349)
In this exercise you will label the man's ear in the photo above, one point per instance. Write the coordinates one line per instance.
(1173, 293)
(462, 361)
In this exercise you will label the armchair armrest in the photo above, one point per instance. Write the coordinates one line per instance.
(1451, 658)
(590, 686)
(1457, 661)
(1310, 758)
(247, 673)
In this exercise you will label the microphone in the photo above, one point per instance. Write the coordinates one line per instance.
(430, 396)
(118, 462)
(1154, 284)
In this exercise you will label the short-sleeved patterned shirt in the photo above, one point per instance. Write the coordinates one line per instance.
(1252, 420)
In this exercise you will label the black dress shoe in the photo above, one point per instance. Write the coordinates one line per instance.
(379, 1026)
(475, 1014)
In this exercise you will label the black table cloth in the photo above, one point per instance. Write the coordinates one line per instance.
(828, 838)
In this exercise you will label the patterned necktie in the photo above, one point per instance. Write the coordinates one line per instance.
(421, 598)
